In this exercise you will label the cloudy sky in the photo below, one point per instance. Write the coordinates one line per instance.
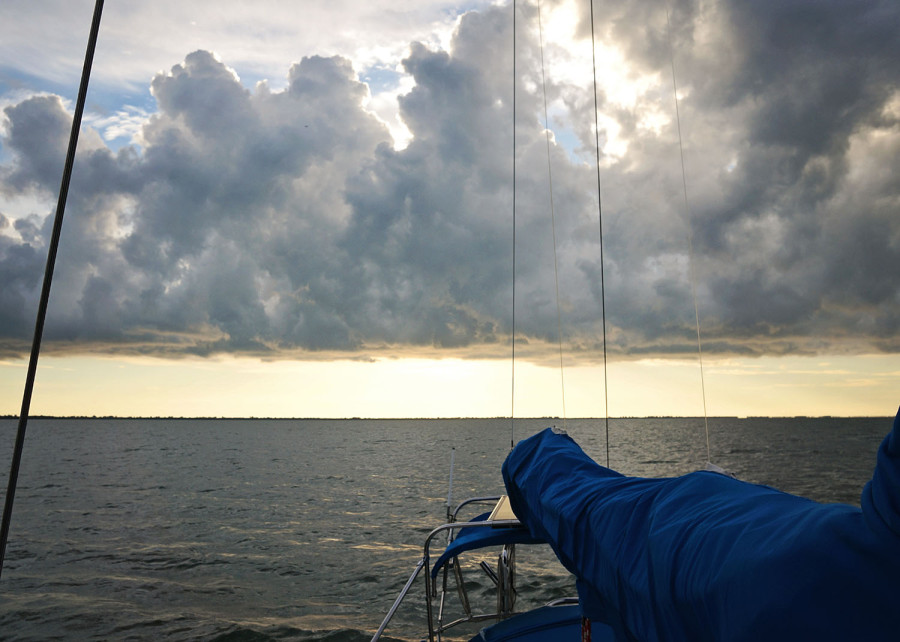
(306, 209)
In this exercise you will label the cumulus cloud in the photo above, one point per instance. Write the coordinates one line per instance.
(283, 221)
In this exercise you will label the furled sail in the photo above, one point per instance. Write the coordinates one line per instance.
(708, 557)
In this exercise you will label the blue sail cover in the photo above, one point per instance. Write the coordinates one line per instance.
(707, 557)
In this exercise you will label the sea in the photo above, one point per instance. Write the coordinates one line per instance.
(254, 529)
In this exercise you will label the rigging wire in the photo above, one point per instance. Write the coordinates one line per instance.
(512, 410)
(48, 279)
(562, 379)
(690, 235)
(600, 223)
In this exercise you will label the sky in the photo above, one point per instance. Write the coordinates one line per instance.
(307, 209)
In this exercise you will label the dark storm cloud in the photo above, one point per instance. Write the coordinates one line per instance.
(791, 127)
(262, 221)
(38, 132)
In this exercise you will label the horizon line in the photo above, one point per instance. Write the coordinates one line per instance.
(361, 418)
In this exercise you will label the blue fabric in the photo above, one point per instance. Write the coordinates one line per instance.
(544, 624)
(707, 557)
(482, 536)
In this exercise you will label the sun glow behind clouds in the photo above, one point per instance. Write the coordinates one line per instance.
(425, 387)
(622, 86)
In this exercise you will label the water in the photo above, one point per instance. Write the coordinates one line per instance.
(307, 530)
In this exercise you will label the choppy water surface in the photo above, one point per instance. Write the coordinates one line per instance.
(307, 530)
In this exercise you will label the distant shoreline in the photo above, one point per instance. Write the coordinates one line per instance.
(208, 418)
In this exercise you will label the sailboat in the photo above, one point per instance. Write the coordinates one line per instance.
(703, 556)
(520, 519)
